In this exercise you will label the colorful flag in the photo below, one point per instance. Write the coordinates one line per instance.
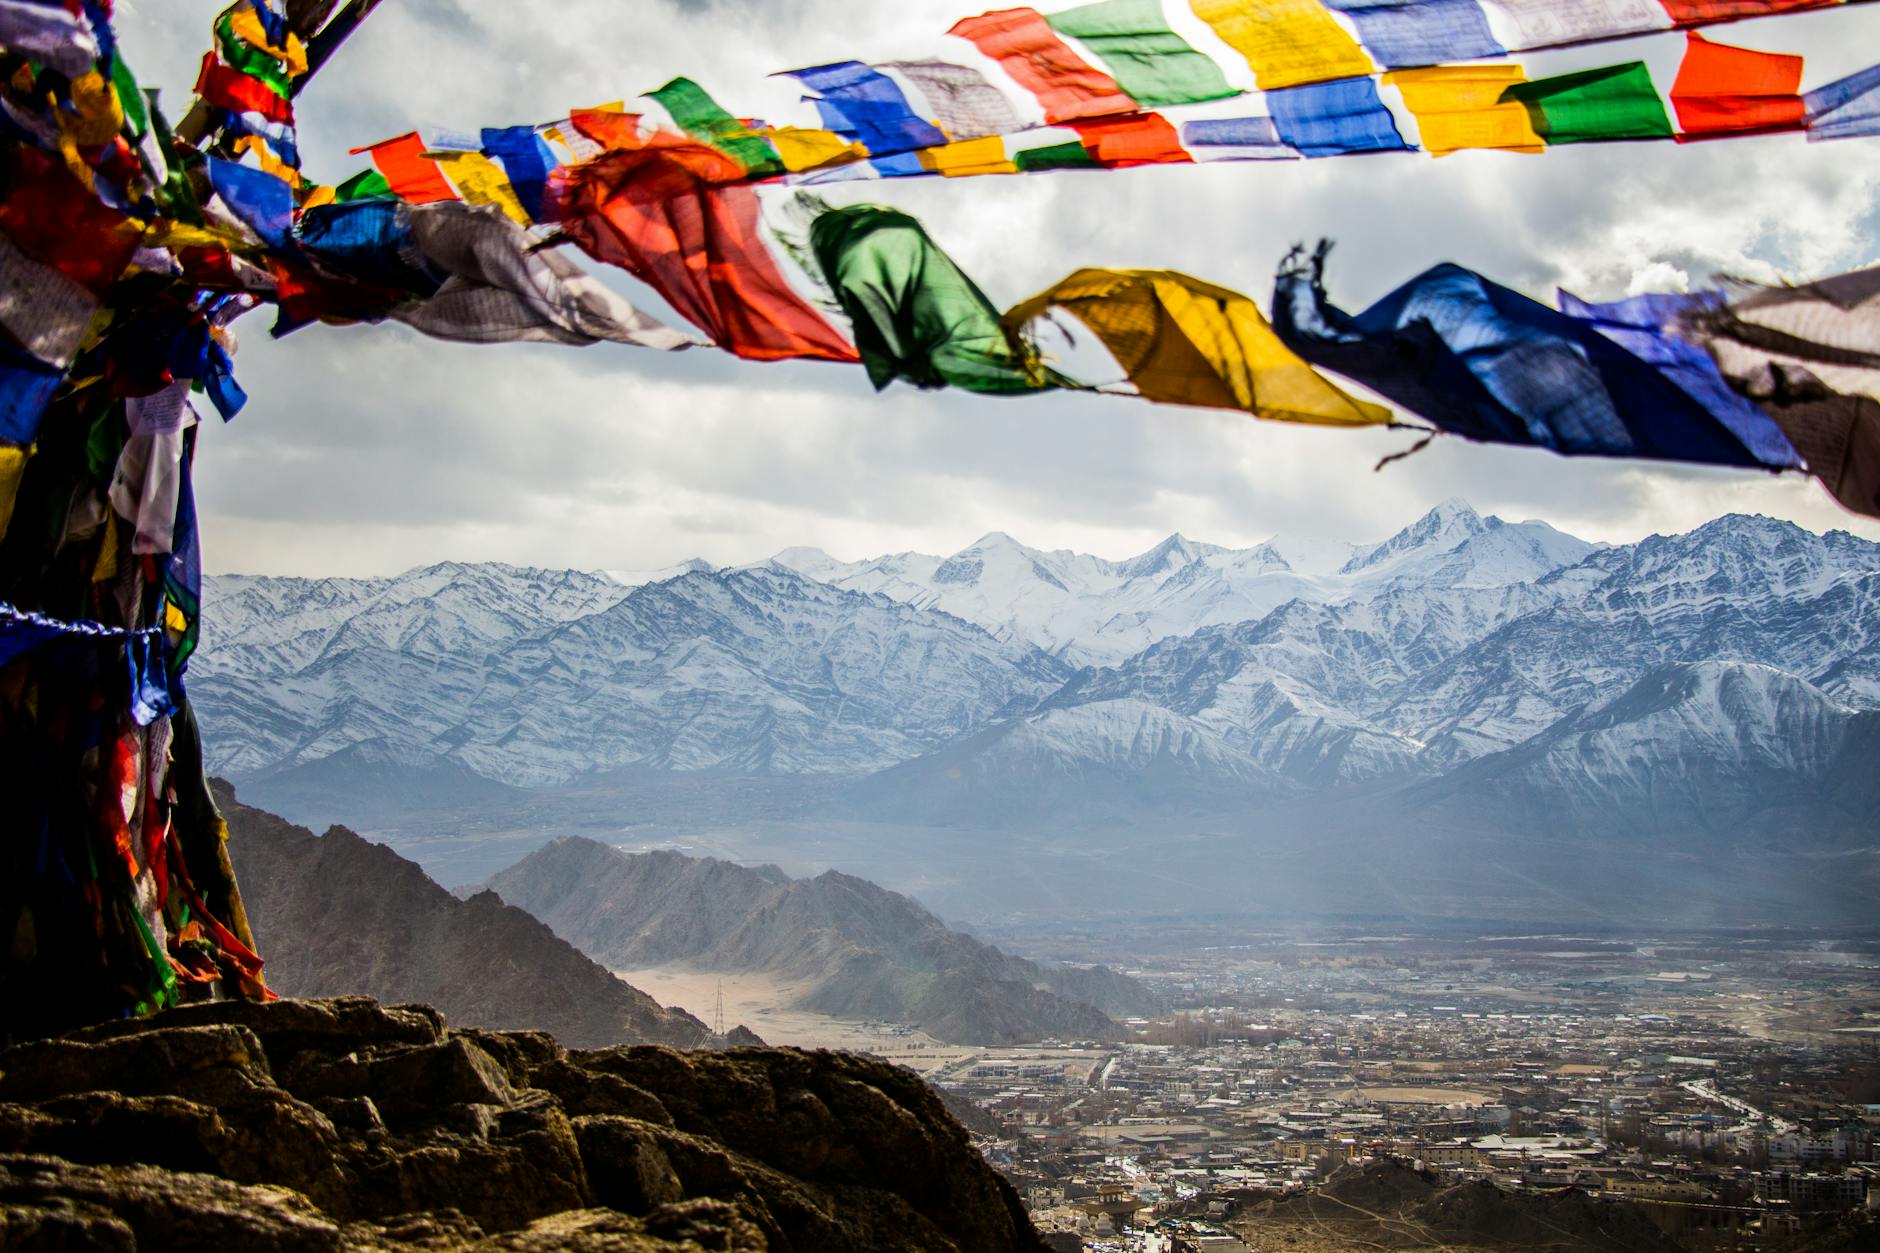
(409, 174)
(867, 106)
(1721, 90)
(1408, 33)
(1023, 43)
(1548, 23)
(960, 99)
(1335, 119)
(703, 118)
(1287, 42)
(1461, 106)
(1847, 108)
(1617, 102)
(1152, 63)
(1185, 342)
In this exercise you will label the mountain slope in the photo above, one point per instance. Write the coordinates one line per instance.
(337, 915)
(865, 951)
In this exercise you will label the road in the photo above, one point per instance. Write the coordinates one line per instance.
(1706, 1089)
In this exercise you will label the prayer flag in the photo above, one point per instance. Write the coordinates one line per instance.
(527, 161)
(1699, 12)
(703, 118)
(409, 174)
(665, 214)
(1139, 139)
(1066, 156)
(26, 387)
(480, 181)
(969, 157)
(1185, 342)
(1152, 63)
(612, 129)
(1845, 109)
(804, 150)
(1335, 119)
(869, 107)
(915, 315)
(497, 290)
(1235, 139)
(1487, 363)
(263, 202)
(1616, 102)
(1549, 23)
(1461, 106)
(1023, 43)
(52, 34)
(370, 242)
(1408, 33)
(229, 88)
(960, 99)
(1287, 42)
(1721, 90)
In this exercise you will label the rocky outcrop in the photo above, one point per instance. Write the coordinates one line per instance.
(337, 914)
(344, 1125)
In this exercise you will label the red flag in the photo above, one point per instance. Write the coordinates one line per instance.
(1698, 12)
(672, 215)
(231, 89)
(1031, 52)
(1138, 139)
(1723, 90)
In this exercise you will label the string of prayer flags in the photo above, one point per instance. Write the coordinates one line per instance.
(1153, 65)
(1335, 119)
(913, 313)
(1461, 106)
(1185, 342)
(1287, 43)
(1410, 33)
(865, 105)
(1615, 102)
(1484, 362)
(960, 99)
(1848, 108)
(1721, 90)
(1022, 42)
(665, 214)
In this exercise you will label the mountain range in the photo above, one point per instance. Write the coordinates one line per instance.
(1712, 690)
(858, 950)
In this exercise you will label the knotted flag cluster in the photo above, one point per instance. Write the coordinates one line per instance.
(128, 246)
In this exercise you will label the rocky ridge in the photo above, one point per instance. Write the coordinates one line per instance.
(342, 1125)
(338, 914)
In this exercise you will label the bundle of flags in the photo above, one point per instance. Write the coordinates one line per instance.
(128, 247)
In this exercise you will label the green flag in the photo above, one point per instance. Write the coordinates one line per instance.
(916, 315)
(1149, 61)
(1065, 156)
(703, 118)
(1593, 106)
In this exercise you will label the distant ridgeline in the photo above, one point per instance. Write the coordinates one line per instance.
(1466, 674)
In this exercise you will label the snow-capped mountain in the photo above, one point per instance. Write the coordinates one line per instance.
(1465, 665)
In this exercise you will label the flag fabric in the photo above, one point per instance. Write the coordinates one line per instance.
(1154, 65)
(228, 88)
(1721, 90)
(54, 34)
(481, 181)
(960, 99)
(1461, 106)
(703, 118)
(26, 387)
(1698, 12)
(1616, 102)
(969, 157)
(1847, 108)
(369, 242)
(1234, 139)
(1024, 44)
(526, 160)
(263, 201)
(408, 173)
(148, 481)
(1071, 155)
(913, 313)
(1489, 364)
(1335, 119)
(866, 105)
(1646, 326)
(1138, 139)
(1286, 42)
(1549, 23)
(1185, 342)
(1409, 33)
(497, 290)
(673, 215)
(1830, 328)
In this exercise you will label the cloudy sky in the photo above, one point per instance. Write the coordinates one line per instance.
(368, 450)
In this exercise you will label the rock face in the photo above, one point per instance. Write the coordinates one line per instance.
(860, 950)
(337, 914)
(342, 1125)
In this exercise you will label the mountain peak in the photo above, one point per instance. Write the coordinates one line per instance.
(1449, 524)
(1171, 554)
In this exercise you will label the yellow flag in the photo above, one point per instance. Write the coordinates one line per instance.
(480, 181)
(967, 157)
(247, 26)
(806, 149)
(1186, 342)
(12, 466)
(1287, 42)
(1456, 107)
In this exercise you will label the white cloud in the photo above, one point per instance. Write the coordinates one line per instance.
(372, 449)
